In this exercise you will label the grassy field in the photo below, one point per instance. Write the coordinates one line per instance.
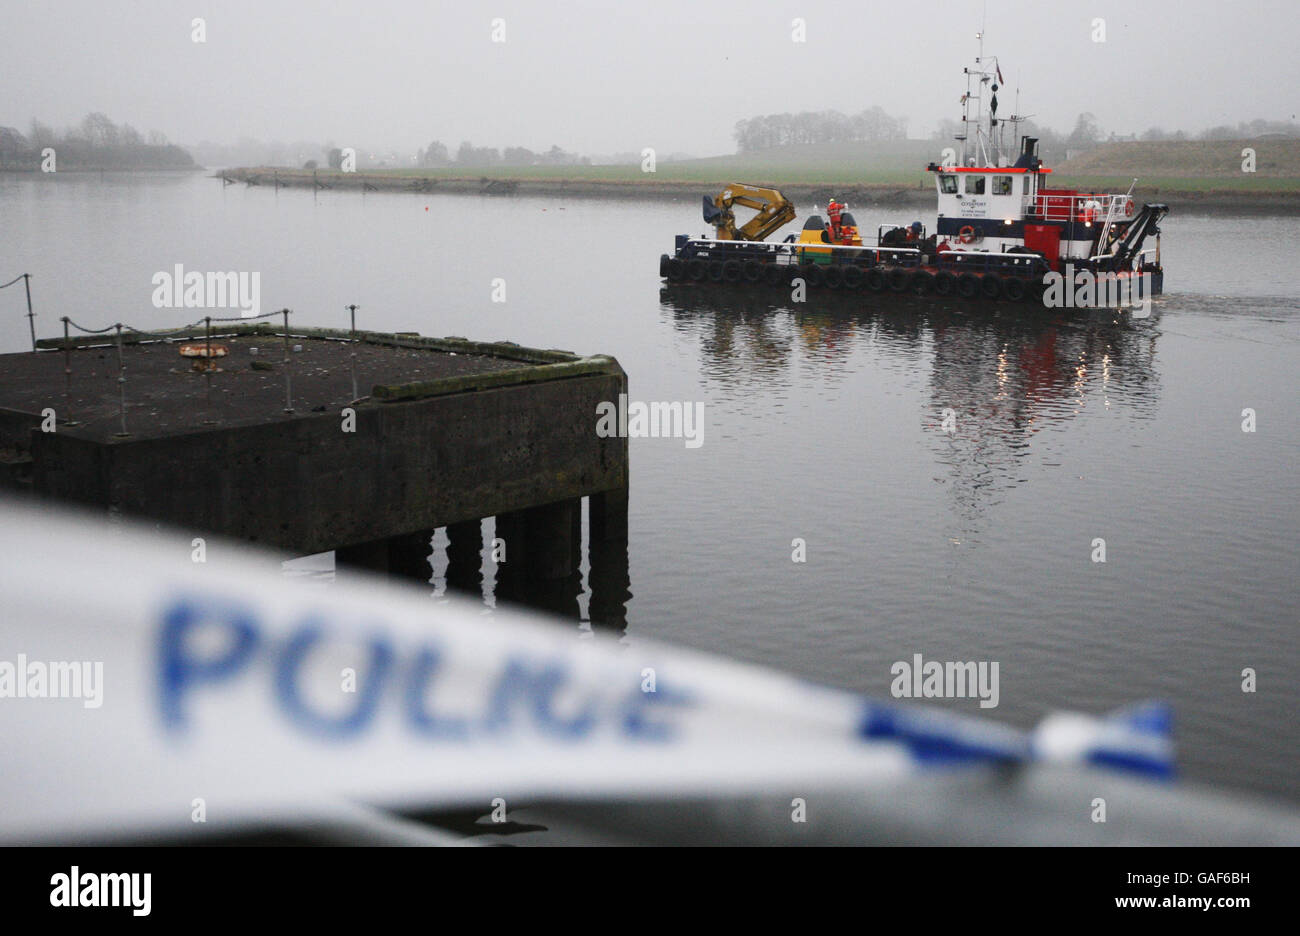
(1275, 159)
(1197, 173)
(895, 163)
(696, 171)
(721, 173)
(1197, 166)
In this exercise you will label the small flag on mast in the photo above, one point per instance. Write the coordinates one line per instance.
(999, 71)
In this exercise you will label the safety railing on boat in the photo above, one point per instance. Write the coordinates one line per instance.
(1080, 208)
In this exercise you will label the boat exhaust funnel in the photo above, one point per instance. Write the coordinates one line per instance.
(1028, 153)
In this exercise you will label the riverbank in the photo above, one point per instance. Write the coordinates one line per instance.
(888, 189)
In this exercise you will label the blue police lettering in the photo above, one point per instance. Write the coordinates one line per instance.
(179, 671)
(526, 694)
(520, 683)
(286, 685)
(427, 662)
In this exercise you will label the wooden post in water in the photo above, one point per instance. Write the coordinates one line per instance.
(465, 555)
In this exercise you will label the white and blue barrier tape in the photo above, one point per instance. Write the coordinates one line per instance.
(267, 697)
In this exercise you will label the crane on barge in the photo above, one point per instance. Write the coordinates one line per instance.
(773, 209)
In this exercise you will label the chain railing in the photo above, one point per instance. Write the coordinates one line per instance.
(119, 331)
(119, 328)
(31, 316)
(170, 335)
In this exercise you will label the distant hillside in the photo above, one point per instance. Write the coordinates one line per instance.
(881, 161)
(1275, 158)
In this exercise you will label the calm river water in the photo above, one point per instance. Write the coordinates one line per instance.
(823, 423)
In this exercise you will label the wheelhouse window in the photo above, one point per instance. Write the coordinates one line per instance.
(1002, 185)
(974, 185)
(948, 184)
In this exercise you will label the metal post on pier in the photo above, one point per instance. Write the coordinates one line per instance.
(67, 375)
(353, 310)
(31, 316)
(207, 364)
(121, 381)
(288, 390)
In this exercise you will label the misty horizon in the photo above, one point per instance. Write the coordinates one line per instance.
(675, 77)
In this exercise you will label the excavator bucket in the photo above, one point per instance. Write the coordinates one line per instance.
(711, 211)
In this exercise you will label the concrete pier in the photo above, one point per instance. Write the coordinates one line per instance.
(273, 449)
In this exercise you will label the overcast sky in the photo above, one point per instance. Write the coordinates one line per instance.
(600, 77)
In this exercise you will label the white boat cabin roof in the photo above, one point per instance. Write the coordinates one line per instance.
(986, 191)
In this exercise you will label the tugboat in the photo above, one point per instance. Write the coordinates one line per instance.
(1002, 231)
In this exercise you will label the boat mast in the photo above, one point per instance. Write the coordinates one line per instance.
(986, 145)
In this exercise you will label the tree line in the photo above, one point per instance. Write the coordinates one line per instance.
(468, 155)
(873, 124)
(828, 126)
(95, 143)
(1087, 134)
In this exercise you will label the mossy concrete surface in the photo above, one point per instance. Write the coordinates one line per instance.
(441, 431)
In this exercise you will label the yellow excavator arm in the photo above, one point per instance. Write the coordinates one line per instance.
(774, 211)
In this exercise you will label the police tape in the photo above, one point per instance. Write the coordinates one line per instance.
(150, 683)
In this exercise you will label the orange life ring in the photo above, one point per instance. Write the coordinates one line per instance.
(1128, 208)
(966, 234)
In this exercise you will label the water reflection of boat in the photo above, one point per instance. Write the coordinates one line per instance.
(744, 328)
(996, 377)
